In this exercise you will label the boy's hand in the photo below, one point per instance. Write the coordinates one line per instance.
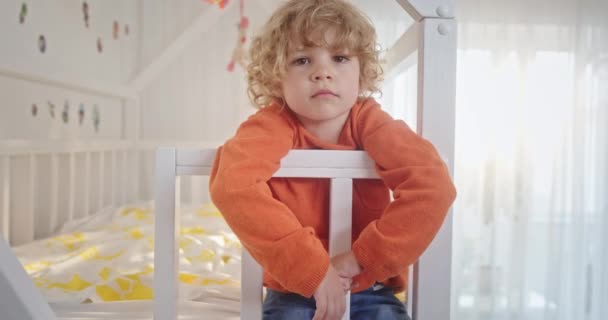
(347, 267)
(330, 297)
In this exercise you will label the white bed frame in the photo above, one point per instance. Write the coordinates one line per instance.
(431, 39)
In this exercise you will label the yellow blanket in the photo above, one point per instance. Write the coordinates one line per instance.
(109, 256)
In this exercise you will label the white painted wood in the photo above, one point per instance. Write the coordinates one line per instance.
(410, 289)
(166, 228)
(113, 174)
(251, 287)
(297, 163)
(30, 213)
(87, 183)
(295, 172)
(341, 222)
(207, 19)
(136, 169)
(5, 213)
(27, 147)
(54, 201)
(19, 298)
(71, 186)
(124, 177)
(436, 120)
(101, 191)
(22, 211)
(403, 48)
(420, 9)
(78, 85)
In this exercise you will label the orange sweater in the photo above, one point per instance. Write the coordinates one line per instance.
(284, 222)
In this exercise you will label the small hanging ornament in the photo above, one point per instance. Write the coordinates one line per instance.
(51, 109)
(65, 115)
(85, 12)
(23, 13)
(115, 30)
(34, 110)
(96, 118)
(221, 3)
(42, 43)
(81, 114)
(99, 45)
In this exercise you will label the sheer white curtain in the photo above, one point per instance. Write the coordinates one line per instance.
(531, 166)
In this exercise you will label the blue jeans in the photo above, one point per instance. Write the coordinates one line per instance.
(365, 305)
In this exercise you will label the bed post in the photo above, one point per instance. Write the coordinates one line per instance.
(166, 225)
(19, 298)
(436, 121)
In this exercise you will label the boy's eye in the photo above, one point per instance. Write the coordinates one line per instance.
(301, 61)
(340, 59)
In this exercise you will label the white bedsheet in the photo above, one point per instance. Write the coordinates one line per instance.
(109, 257)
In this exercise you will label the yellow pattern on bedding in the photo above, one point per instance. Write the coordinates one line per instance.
(109, 256)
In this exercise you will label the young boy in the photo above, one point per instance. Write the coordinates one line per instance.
(313, 69)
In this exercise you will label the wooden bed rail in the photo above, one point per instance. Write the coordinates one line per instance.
(339, 166)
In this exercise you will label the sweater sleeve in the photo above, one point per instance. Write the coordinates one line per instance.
(289, 252)
(422, 189)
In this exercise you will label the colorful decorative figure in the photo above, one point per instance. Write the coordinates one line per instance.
(115, 30)
(239, 54)
(221, 3)
(23, 13)
(81, 114)
(51, 109)
(85, 12)
(99, 45)
(96, 118)
(42, 43)
(65, 115)
(34, 109)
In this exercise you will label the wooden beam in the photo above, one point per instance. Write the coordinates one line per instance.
(420, 9)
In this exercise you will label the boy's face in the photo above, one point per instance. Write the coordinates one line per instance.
(320, 84)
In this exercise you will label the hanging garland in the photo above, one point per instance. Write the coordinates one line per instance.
(239, 54)
(221, 3)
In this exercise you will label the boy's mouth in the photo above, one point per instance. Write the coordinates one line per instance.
(324, 92)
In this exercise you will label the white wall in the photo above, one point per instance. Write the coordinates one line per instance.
(71, 55)
(195, 98)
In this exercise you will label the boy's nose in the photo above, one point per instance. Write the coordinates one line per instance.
(322, 75)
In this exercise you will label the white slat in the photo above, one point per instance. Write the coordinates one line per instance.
(54, 185)
(113, 174)
(340, 222)
(135, 173)
(166, 224)
(102, 176)
(72, 187)
(6, 196)
(123, 176)
(297, 163)
(251, 287)
(87, 183)
(25, 223)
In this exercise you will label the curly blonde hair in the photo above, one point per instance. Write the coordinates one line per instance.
(304, 22)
